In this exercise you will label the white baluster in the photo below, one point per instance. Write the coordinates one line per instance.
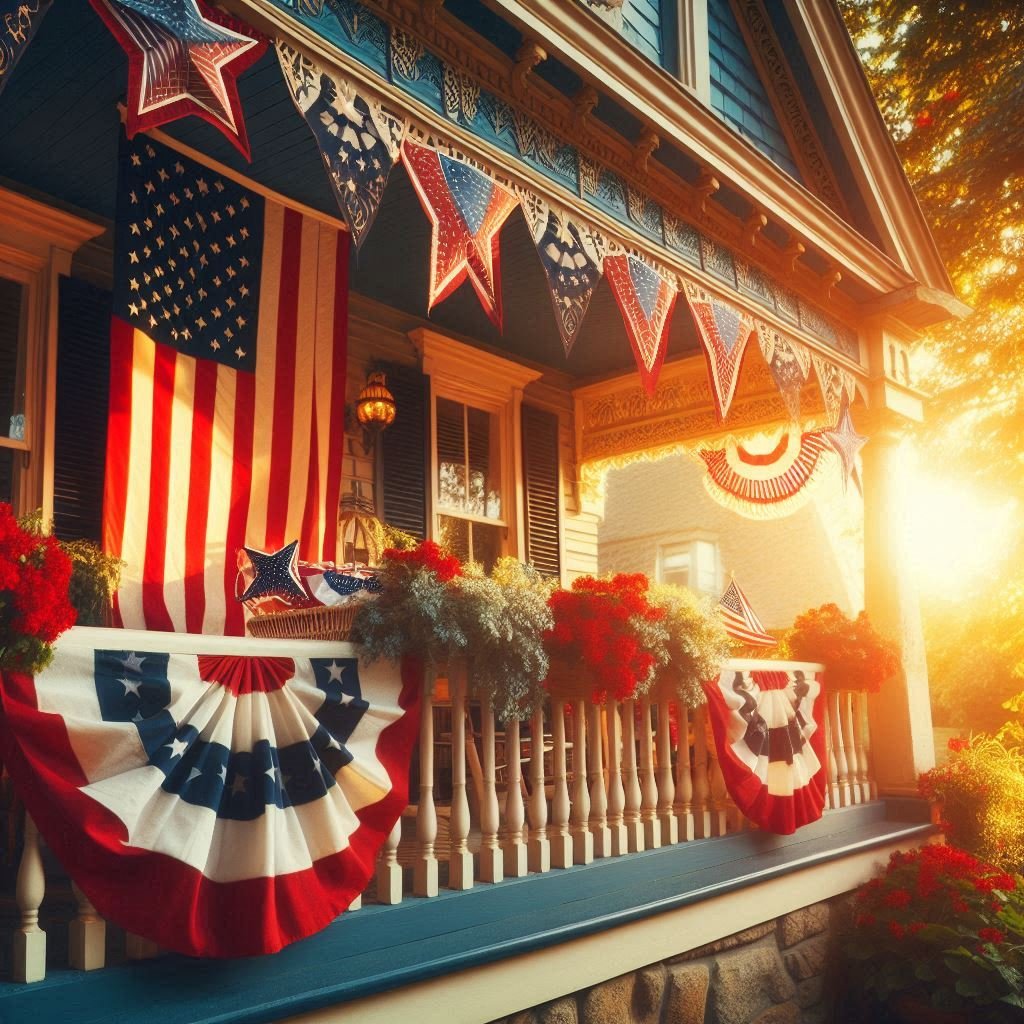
(356, 904)
(424, 874)
(513, 847)
(839, 745)
(648, 786)
(666, 784)
(460, 861)
(831, 769)
(859, 723)
(492, 865)
(539, 846)
(683, 806)
(849, 741)
(598, 797)
(582, 837)
(29, 954)
(616, 791)
(864, 739)
(389, 871)
(719, 796)
(631, 780)
(701, 785)
(561, 840)
(87, 935)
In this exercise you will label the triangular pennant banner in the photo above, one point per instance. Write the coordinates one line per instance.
(184, 57)
(834, 382)
(646, 301)
(846, 442)
(571, 256)
(467, 210)
(766, 476)
(724, 332)
(19, 20)
(359, 143)
(789, 363)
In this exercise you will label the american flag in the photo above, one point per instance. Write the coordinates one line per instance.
(740, 621)
(227, 381)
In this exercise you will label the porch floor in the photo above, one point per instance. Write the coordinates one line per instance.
(384, 947)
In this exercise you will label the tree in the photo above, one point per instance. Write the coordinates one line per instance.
(949, 79)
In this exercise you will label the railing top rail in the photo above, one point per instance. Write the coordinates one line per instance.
(762, 664)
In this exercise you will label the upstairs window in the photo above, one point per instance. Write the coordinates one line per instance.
(694, 564)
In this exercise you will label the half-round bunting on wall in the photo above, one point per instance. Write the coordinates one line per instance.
(771, 744)
(218, 805)
(767, 476)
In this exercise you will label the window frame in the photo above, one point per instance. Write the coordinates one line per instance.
(689, 543)
(480, 380)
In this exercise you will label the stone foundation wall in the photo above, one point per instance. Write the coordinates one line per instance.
(773, 973)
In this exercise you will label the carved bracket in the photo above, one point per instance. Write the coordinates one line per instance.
(706, 185)
(646, 143)
(829, 279)
(793, 251)
(429, 9)
(754, 225)
(528, 56)
(583, 104)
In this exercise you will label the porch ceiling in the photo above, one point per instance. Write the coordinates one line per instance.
(60, 139)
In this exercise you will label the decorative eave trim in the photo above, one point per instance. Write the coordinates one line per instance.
(20, 215)
(859, 125)
(495, 374)
(607, 60)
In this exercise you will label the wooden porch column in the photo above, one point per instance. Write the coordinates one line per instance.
(900, 715)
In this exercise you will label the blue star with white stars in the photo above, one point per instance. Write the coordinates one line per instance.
(277, 572)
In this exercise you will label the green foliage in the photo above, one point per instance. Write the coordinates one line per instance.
(95, 575)
(943, 928)
(980, 790)
(695, 641)
(504, 617)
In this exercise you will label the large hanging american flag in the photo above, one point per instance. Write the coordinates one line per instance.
(218, 805)
(770, 743)
(227, 382)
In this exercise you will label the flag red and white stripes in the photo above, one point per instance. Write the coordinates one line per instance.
(740, 621)
(203, 458)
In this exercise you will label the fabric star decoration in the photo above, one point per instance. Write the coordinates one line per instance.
(183, 58)
(277, 572)
(846, 443)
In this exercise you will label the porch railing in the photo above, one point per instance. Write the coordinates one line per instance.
(500, 800)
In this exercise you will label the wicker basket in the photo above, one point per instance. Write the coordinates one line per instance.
(320, 623)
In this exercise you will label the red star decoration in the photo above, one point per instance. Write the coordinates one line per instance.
(183, 58)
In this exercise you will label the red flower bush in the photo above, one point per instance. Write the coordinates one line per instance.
(428, 556)
(601, 624)
(34, 606)
(855, 656)
(943, 926)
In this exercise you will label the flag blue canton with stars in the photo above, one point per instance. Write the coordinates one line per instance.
(187, 251)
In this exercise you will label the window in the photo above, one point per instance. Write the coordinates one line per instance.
(13, 330)
(691, 563)
(469, 482)
(476, 464)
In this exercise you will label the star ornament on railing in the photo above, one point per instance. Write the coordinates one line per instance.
(183, 58)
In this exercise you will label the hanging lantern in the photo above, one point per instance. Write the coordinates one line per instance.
(360, 531)
(375, 407)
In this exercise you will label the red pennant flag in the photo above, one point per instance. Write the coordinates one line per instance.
(724, 332)
(466, 210)
(646, 301)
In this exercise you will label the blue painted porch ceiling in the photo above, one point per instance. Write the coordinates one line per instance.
(59, 131)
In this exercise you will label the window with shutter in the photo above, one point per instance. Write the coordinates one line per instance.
(541, 478)
(80, 429)
(405, 452)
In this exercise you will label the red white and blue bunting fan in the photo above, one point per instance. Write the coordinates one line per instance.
(789, 363)
(19, 20)
(766, 476)
(740, 620)
(467, 210)
(771, 744)
(358, 140)
(184, 57)
(646, 300)
(571, 255)
(724, 332)
(835, 382)
(218, 805)
(846, 443)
